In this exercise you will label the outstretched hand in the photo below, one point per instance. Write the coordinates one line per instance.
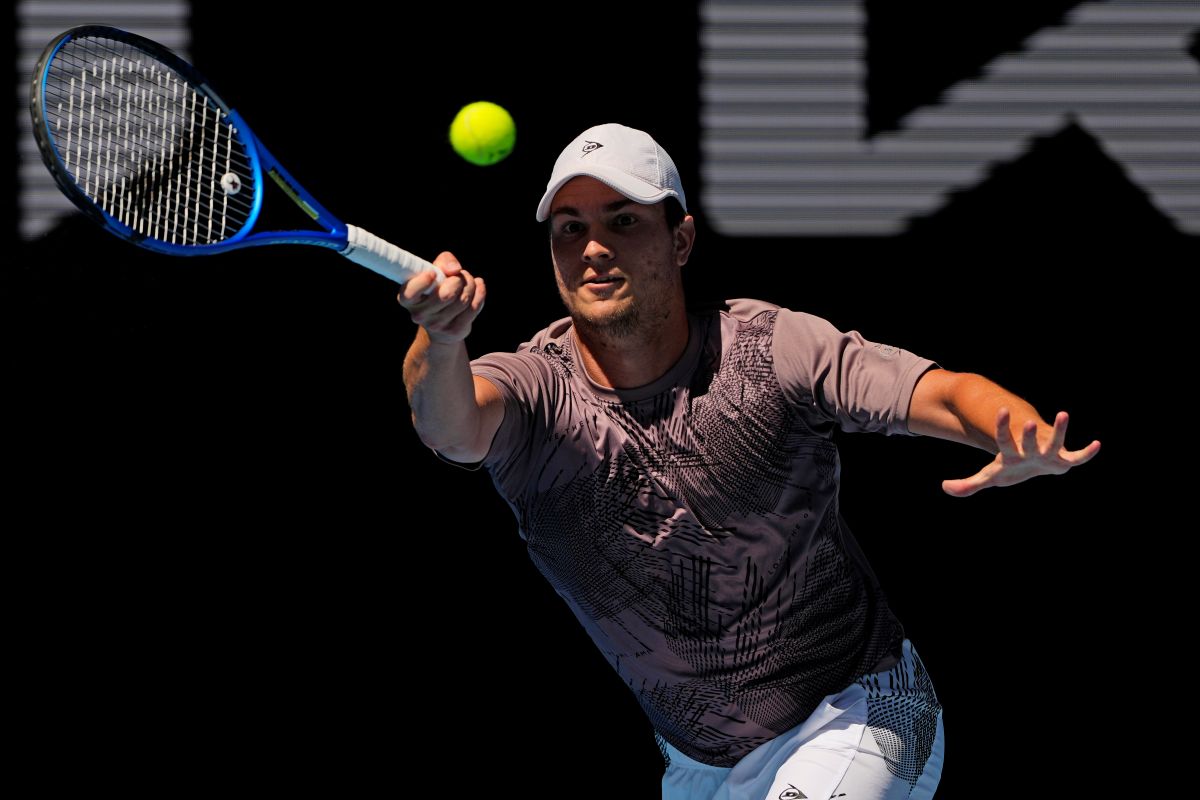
(1019, 461)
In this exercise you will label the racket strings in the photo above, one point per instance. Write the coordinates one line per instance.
(144, 145)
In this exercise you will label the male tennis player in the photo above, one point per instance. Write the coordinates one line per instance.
(673, 476)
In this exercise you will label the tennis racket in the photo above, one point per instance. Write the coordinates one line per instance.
(140, 142)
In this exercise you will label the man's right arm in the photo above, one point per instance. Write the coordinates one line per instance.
(454, 412)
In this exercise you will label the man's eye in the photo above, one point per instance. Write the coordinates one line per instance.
(625, 219)
(574, 226)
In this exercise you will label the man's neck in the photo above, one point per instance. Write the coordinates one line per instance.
(628, 362)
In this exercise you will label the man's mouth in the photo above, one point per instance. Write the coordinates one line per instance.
(603, 280)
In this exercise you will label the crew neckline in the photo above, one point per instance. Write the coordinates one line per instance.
(683, 366)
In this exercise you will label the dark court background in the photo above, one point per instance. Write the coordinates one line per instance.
(235, 565)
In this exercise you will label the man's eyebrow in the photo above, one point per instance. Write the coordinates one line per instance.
(574, 212)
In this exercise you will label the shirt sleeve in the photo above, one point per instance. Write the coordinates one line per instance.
(521, 380)
(843, 378)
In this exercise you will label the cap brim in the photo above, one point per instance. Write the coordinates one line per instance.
(636, 190)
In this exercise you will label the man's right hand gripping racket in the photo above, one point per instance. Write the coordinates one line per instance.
(140, 142)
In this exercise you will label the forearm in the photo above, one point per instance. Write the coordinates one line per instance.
(971, 409)
(978, 401)
(441, 393)
(963, 407)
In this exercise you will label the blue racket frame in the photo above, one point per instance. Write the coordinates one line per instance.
(262, 164)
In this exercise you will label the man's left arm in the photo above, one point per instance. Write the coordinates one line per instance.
(970, 409)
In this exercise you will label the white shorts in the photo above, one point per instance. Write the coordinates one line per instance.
(879, 739)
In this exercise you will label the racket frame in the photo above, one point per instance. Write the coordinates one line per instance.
(262, 163)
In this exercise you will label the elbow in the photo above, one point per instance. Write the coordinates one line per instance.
(454, 444)
(460, 453)
(435, 437)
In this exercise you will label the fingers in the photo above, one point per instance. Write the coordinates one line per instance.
(963, 487)
(1029, 445)
(446, 311)
(1004, 439)
(1072, 458)
(447, 263)
(1077, 457)
(417, 291)
(1008, 446)
(455, 295)
(425, 283)
(1059, 437)
(480, 295)
(1012, 466)
(417, 288)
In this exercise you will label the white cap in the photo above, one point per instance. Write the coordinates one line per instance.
(626, 159)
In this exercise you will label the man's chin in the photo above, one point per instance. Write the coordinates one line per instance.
(617, 320)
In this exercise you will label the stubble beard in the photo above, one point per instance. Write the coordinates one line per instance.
(641, 319)
(616, 326)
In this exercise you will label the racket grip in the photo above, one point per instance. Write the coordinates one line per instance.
(368, 250)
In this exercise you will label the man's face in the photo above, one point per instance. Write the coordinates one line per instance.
(617, 263)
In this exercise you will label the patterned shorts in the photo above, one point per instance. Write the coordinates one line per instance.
(879, 739)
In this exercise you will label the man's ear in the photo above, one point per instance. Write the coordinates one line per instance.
(684, 238)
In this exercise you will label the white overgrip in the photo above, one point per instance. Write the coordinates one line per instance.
(368, 250)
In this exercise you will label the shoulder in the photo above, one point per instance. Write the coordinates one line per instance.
(739, 310)
(534, 364)
(738, 319)
(759, 319)
(555, 333)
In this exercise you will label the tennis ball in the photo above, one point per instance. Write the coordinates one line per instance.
(483, 133)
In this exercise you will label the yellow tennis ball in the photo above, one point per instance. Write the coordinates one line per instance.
(483, 133)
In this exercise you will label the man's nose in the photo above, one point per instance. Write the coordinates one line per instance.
(596, 251)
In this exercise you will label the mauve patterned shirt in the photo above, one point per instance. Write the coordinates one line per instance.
(692, 524)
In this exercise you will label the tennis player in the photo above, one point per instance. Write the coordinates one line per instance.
(673, 475)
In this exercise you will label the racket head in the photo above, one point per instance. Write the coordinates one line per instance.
(138, 141)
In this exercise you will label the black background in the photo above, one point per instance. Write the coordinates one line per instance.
(236, 565)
